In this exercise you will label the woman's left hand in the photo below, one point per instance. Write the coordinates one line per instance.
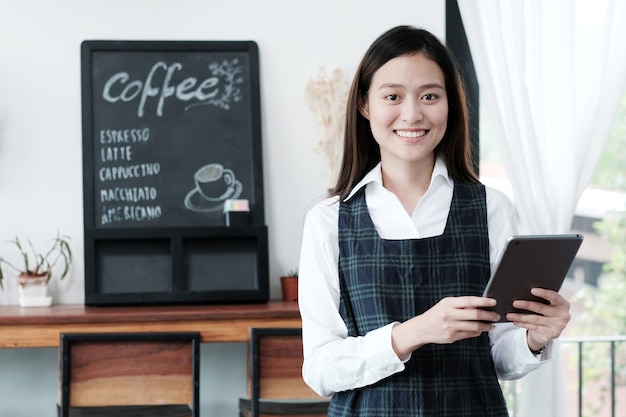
(549, 321)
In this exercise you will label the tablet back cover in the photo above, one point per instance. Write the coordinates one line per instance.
(530, 261)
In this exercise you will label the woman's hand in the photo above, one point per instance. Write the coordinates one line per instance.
(450, 320)
(548, 323)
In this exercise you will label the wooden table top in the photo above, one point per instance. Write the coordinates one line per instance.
(41, 326)
(66, 313)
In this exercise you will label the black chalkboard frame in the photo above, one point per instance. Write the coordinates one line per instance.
(119, 259)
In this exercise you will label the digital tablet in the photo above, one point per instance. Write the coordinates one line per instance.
(530, 261)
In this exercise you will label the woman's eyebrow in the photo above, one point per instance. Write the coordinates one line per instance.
(422, 87)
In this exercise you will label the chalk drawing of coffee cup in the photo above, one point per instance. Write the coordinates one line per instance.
(214, 185)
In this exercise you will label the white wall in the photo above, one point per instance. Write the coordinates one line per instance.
(40, 125)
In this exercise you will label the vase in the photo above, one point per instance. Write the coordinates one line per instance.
(33, 291)
(289, 286)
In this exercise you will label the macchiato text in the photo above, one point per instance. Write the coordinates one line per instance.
(129, 194)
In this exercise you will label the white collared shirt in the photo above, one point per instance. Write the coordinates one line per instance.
(333, 361)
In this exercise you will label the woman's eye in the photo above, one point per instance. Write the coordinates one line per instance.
(392, 97)
(429, 97)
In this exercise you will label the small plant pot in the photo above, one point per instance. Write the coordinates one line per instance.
(33, 291)
(289, 286)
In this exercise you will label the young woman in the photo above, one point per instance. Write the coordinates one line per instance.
(393, 265)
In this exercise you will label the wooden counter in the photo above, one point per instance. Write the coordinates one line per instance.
(40, 327)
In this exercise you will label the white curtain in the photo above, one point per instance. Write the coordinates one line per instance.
(551, 76)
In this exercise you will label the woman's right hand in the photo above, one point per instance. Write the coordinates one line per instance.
(450, 320)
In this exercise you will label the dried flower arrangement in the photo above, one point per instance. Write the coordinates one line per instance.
(326, 95)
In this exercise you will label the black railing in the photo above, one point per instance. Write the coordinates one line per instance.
(592, 377)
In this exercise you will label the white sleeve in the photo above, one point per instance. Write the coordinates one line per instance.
(510, 353)
(333, 361)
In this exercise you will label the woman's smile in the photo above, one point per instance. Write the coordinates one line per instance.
(411, 134)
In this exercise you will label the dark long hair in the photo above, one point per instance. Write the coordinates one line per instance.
(361, 152)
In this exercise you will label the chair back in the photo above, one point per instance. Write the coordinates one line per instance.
(275, 367)
(129, 369)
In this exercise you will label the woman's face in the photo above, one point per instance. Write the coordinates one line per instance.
(407, 107)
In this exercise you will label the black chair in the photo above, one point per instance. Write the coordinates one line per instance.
(129, 375)
(275, 384)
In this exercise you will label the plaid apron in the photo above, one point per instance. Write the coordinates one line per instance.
(394, 280)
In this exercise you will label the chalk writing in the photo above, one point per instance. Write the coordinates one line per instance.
(218, 89)
(116, 153)
(130, 194)
(117, 136)
(129, 171)
(158, 111)
(129, 213)
(231, 72)
(119, 145)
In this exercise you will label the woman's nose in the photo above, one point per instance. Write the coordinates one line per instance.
(411, 111)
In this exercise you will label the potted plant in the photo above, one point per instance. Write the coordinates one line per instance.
(289, 285)
(37, 269)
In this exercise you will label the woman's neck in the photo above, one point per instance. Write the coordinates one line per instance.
(408, 181)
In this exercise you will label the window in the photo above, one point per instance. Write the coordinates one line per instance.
(597, 281)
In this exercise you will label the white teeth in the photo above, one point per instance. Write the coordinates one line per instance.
(412, 134)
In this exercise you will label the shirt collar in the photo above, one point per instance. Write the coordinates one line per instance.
(375, 175)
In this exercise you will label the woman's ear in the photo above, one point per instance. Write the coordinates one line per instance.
(363, 107)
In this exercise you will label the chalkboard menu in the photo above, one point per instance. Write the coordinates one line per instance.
(171, 131)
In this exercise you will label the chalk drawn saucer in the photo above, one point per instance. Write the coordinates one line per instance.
(195, 201)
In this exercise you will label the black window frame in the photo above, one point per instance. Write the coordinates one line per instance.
(456, 40)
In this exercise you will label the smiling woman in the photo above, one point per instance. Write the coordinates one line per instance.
(393, 265)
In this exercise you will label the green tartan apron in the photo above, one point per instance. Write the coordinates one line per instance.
(383, 281)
